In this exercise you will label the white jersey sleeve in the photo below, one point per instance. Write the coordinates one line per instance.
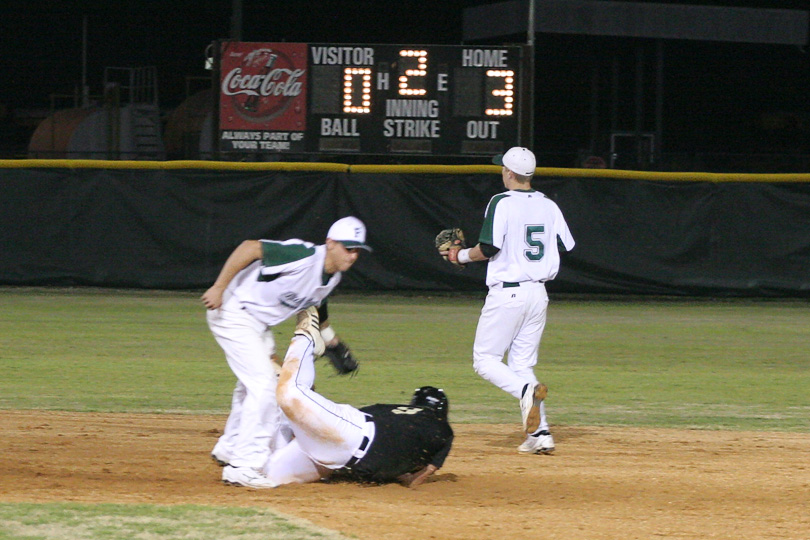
(529, 231)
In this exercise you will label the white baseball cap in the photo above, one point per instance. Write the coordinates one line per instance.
(519, 160)
(350, 232)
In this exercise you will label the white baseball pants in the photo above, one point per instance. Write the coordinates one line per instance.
(512, 321)
(254, 419)
(327, 434)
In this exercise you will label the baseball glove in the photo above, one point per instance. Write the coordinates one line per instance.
(449, 242)
(341, 358)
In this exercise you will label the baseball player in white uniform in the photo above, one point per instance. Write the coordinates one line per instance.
(263, 283)
(522, 235)
(378, 443)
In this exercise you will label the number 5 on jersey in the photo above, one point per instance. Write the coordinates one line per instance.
(538, 248)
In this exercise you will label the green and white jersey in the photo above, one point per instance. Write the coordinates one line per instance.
(529, 230)
(288, 278)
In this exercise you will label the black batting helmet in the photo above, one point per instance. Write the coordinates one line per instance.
(431, 398)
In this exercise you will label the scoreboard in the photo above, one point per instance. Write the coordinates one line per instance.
(442, 100)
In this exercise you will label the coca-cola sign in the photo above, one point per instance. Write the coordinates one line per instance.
(263, 86)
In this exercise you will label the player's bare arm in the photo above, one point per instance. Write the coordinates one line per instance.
(414, 479)
(475, 254)
(247, 252)
(464, 256)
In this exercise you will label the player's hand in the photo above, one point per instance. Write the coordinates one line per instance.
(411, 480)
(452, 255)
(212, 298)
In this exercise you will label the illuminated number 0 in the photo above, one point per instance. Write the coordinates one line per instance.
(350, 74)
(413, 68)
(538, 248)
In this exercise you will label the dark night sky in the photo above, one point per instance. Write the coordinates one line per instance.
(46, 37)
(41, 44)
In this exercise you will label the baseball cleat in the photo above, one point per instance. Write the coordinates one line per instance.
(542, 443)
(252, 477)
(308, 324)
(530, 406)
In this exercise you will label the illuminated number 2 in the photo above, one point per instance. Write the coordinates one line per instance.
(412, 72)
(500, 92)
(538, 249)
(352, 75)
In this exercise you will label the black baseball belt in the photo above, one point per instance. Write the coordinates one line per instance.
(360, 449)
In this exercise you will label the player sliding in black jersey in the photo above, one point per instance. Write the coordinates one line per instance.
(378, 443)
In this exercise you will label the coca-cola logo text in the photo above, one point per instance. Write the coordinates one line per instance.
(278, 82)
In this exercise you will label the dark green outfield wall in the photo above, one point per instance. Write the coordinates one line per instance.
(174, 227)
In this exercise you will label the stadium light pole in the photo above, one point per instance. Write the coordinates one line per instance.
(530, 45)
(85, 88)
(236, 20)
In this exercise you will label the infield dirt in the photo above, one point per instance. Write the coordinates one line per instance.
(602, 483)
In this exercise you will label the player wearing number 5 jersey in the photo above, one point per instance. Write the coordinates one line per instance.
(522, 236)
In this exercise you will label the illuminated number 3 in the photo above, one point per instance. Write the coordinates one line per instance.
(500, 88)
(538, 248)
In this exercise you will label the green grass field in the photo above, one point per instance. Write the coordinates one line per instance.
(736, 364)
(685, 363)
